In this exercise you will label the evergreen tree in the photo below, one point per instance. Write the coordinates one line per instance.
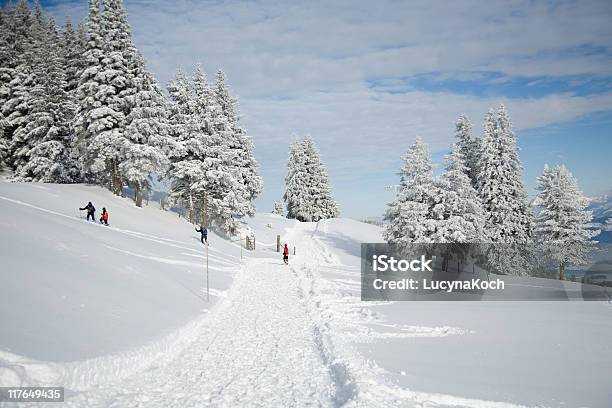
(458, 212)
(47, 128)
(90, 119)
(23, 92)
(180, 112)
(467, 146)
(295, 181)
(243, 163)
(563, 220)
(217, 185)
(410, 218)
(278, 208)
(106, 89)
(320, 203)
(22, 41)
(146, 137)
(509, 218)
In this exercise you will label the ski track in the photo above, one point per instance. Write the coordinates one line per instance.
(258, 349)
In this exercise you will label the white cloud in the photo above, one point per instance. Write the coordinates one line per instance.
(301, 67)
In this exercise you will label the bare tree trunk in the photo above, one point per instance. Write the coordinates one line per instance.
(190, 207)
(205, 218)
(115, 177)
(561, 271)
(138, 193)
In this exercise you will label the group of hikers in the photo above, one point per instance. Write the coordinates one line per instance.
(91, 213)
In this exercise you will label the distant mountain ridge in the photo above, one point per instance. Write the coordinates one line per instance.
(602, 214)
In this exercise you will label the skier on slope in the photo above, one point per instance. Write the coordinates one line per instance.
(204, 234)
(286, 255)
(91, 211)
(104, 217)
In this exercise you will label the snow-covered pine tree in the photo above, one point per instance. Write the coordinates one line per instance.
(146, 136)
(467, 146)
(563, 220)
(319, 199)
(278, 208)
(244, 166)
(90, 116)
(180, 111)
(458, 210)
(47, 128)
(107, 86)
(509, 218)
(16, 75)
(295, 180)
(73, 47)
(216, 187)
(23, 93)
(410, 217)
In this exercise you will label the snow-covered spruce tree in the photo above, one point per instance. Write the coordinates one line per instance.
(23, 94)
(217, 186)
(47, 128)
(105, 88)
(278, 208)
(243, 163)
(467, 146)
(23, 41)
(319, 199)
(90, 119)
(146, 138)
(295, 181)
(458, 211)
(180, 111)
(508, 216)
(14, 32)
(563, 220)
(410, 218)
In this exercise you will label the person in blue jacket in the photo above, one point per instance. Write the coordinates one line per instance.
(204, 234)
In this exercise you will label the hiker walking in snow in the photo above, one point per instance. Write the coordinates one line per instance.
(104, 217)
(286, 255)
(204, 234)
(91, 211)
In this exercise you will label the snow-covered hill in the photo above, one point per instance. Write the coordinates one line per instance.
(75, 290)
(117, 315)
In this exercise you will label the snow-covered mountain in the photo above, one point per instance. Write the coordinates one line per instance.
(602, 214)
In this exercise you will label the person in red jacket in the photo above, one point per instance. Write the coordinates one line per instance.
(286, 255)
(104, 217)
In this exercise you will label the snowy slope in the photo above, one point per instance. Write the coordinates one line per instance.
(73, 290)
(117, 316)
(472, 353)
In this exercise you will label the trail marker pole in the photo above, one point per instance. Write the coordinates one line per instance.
(278, 243)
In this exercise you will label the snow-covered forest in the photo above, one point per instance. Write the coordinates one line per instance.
(481, 198)
(78, 104)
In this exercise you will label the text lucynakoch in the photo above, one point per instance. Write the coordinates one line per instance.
(443, 285)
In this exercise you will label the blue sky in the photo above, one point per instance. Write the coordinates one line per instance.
(365, 78)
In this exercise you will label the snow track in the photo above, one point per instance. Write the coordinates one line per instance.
(260, 348)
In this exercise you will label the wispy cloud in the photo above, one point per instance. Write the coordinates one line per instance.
(310, 67)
